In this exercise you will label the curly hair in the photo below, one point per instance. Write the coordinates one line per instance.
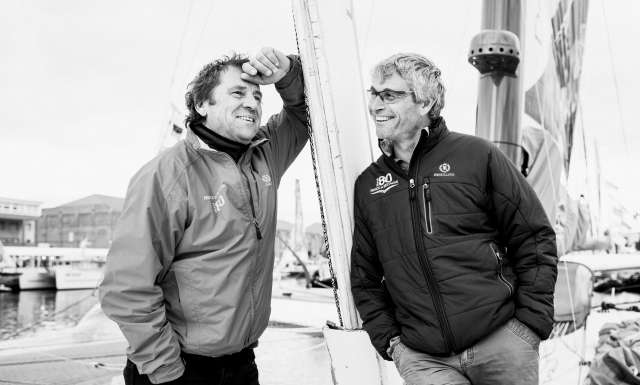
(201, 87)
(422, 75)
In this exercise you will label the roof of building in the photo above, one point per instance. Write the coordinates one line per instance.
(115, 203)
(22, 201)
(284, 225)
(314, 228)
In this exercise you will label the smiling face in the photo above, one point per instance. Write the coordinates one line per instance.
(236, 109)
(401, 120)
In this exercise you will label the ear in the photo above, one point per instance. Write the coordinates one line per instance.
(426, 107)
(200, 108)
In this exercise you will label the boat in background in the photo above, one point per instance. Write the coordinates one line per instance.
(41, 268)
(79, 273)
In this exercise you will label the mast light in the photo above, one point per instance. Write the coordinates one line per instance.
(495, 52)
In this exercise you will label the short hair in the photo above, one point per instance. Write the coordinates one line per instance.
(422, 74)
(201, 87)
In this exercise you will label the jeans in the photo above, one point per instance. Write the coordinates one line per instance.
(235, 369)
(509, 355)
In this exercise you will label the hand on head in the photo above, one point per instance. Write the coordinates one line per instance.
(267, 66)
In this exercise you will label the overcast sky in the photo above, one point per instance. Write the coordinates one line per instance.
(86, 86)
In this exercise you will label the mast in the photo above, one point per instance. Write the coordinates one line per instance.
(341, 149)
(337, 112)
(495, 52)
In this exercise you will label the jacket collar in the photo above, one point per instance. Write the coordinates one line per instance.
(197, 143)
(429, 138)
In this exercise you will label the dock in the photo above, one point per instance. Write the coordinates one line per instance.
(93, 352)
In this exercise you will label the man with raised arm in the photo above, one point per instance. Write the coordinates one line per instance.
(189, 273)
(454, 260)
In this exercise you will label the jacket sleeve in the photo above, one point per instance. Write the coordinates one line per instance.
(140, 254)
(530, 240)
(371, 297)
(287, 130)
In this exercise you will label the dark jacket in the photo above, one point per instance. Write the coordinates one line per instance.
(447, 252)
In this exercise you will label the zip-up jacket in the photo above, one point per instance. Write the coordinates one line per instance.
(447, 252)
(190, 266)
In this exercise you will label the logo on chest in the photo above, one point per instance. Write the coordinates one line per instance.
(384, 183)
(217, 201)
(445, 170)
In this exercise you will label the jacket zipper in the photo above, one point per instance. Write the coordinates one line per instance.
(500, 275)
(426, 194)
(425, 264)
(253, 210)
(259, 236)
(246, 178)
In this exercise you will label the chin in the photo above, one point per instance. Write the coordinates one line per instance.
(383, 134)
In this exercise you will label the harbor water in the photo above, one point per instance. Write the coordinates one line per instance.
(286, 354)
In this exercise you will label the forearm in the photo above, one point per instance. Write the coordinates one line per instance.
(291, 86)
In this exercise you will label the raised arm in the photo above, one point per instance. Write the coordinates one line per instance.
(287, 131)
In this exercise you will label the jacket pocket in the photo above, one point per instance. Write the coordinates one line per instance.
(500, 262)
(426, 201)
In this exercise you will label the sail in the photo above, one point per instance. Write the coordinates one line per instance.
(553, 54)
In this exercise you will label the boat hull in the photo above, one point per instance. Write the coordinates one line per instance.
(36, 279)
(70, 278)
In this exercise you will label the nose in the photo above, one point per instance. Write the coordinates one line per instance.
(375, 103)
(250, 101)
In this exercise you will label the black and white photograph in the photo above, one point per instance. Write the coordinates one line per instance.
(319, 192)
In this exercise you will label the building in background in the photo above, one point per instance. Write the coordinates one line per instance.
(88, 222)
(314, 238)
(18, 221)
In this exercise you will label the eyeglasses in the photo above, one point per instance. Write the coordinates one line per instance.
(388, 96)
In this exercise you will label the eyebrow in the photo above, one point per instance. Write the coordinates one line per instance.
(387, 89)
(244, 88)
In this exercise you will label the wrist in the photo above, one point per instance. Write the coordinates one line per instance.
(393, 342)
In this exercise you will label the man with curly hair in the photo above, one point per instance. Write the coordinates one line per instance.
(189, 273)
(454, 260)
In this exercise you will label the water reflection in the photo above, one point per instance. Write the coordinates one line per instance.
(27, 313)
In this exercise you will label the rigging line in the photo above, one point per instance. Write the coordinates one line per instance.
(317, 180)
(365, 39)
(167, 130)
(571, 349)
(584, 138)
(201, 35)
(545, 146)
(180, 48)
(569, 291)
(362, 81)
(462, 63)
(587, 178)
(615, 82)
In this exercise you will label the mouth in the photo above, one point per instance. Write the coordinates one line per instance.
(247, 118)
(383, 119)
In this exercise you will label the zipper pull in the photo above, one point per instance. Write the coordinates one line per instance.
(412, 191)
(255, 224)
(426, 188)
(427, 192)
